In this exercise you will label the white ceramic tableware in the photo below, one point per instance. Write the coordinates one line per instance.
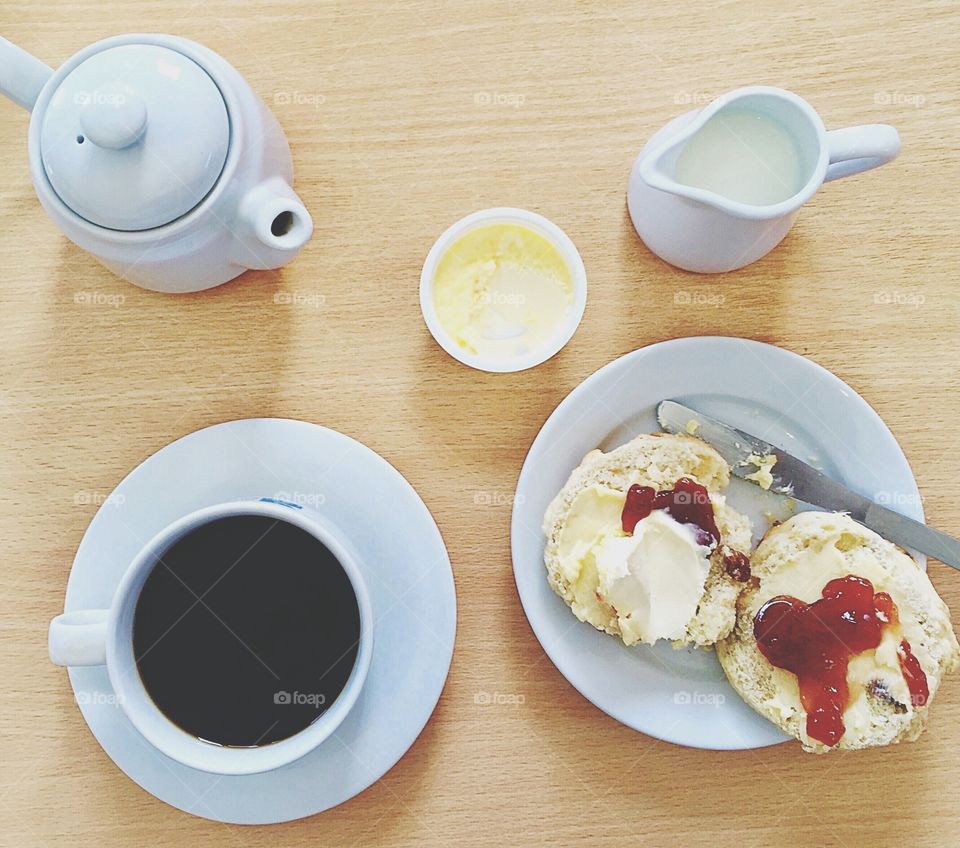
(397, 549)
(682, 696)
(700, 230)
(543, 227)
(89, 637)
(156, 156)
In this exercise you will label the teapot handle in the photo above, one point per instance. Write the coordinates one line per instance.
(22, 75)
(856, 149)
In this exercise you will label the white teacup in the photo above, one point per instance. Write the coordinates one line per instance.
(105, 637)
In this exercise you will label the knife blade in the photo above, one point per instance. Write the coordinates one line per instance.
(748, 454)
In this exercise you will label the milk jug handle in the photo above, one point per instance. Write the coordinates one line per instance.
(857, 149)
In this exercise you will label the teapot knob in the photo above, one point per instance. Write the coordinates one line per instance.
(113, 117)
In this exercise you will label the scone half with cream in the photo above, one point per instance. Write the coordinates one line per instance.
(641, 543)
(841, 639)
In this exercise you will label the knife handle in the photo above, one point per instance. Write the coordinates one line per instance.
(894, 526)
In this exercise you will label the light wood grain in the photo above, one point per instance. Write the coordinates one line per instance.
(392, 143)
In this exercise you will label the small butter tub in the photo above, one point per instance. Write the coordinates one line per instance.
(503, 290)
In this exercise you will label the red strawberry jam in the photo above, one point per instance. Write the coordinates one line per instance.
(817, 641)
(687, 503)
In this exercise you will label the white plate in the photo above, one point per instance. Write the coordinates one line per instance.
(407, 572)
(682, 696)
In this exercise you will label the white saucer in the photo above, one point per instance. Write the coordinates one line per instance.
(407, 572)
(683, 696)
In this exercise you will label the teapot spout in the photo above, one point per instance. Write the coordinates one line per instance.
(271, 226)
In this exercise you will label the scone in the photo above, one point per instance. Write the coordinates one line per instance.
(641, 544)
(846, 618)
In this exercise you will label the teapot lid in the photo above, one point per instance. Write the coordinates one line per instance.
(135, 137)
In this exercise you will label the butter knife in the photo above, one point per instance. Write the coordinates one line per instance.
(790, 476)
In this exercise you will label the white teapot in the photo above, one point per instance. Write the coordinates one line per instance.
(154, 154)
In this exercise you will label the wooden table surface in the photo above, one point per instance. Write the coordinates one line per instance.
(404, 116)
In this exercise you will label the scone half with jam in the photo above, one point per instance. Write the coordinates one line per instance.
(641, 543)
(841, 639)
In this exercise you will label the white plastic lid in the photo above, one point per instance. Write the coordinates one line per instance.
(135, 137)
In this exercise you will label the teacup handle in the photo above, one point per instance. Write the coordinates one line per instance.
(79, 638)
(857, 149)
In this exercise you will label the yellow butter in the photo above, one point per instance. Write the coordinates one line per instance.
(651, 580)
(804, 577)
(762, 476)
(502, 291)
